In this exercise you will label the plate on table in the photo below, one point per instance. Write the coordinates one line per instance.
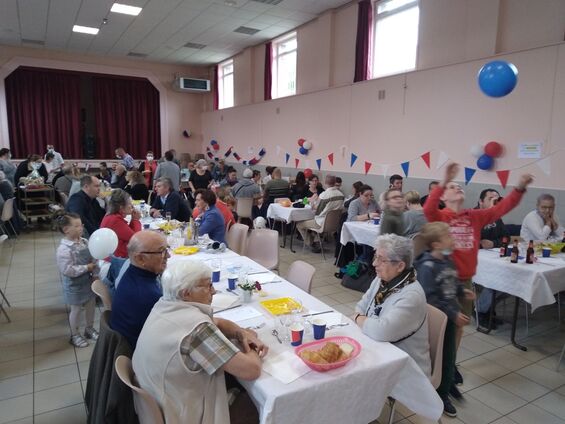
(186, 250)
(348, 349)
(281, 306)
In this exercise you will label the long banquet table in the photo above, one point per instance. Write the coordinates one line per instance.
(354, 393)
(534, 283)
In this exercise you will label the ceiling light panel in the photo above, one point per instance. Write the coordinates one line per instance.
(125, 9)
(85, 29)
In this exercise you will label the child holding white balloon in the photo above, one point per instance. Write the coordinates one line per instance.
(78, 267)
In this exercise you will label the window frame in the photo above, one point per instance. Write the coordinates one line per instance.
(379, 16)
(221, 83)
(275, 57)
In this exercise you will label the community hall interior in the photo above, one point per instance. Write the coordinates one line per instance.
(346, 91)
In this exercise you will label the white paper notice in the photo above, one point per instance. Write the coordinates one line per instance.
(285, 367)
(239, 314)
(223, 301)
(529, 150)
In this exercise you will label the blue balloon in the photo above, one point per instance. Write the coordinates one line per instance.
(498, 78)
(303, 151)
(485, 162)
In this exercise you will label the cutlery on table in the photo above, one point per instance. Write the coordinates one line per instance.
(256, 327)
(276, 334)
(232, 291)
(317, 313)
(330, 327)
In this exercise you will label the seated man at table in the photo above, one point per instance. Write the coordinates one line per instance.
(329, 200)
(139, 287)
(168, 201)
(394, 308)
(543, 223)
(85, 204)
(182, 352)
(246, 187)
(491, 237)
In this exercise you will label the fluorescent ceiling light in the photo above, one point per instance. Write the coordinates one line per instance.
(85, 30)
(125, 9)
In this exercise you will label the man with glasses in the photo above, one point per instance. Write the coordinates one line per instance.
(465, 228)
(543, 223)
(139, 287)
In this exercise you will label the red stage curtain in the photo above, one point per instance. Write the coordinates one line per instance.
(43, 108)
(363, 44)
(127, 115)
(268, 70)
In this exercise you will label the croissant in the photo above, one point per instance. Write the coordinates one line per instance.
(328, 354)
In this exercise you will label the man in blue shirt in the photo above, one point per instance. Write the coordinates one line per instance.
(126, 158)
(139, 287)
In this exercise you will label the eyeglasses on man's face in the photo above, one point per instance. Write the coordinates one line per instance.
(162, 252)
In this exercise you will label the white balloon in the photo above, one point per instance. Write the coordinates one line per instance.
(259, 222)
(477, 150)
(102, 243)
(307, 145)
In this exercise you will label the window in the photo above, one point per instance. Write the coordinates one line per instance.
(396, 36)
(225, 84)
(284, 66)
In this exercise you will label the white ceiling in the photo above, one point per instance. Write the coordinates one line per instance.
(160, 31)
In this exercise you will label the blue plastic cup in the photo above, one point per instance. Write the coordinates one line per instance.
(145, 226)
(319, 327)
(216, 276)
(376, 221)
(232, 281)
(546, 252)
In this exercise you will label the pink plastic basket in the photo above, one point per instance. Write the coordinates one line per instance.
(318, 344)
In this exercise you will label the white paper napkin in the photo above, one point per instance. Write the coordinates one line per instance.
(239, 314)
(223, 301)
(285, 367)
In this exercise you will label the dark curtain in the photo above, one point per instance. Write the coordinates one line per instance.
(216, 89)
(268, 70)
(127, 115)
(43, 108)
(364, 41)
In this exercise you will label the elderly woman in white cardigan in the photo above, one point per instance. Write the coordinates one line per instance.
(182, 351)
(394, 308)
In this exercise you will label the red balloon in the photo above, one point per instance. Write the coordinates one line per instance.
(301, 141)
(493, 149)
(308, 173)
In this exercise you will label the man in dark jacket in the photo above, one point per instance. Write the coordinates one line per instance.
(85, 204)
(168, 201)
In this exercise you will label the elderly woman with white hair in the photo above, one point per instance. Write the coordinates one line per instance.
(182, 351)
(394, 308)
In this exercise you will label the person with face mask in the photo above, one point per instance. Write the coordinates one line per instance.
(6, 165)
(148, 168)
(28, 166)
(58, 161)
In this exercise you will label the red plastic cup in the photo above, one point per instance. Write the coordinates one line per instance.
(296, 334)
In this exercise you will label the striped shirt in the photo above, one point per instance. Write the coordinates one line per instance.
(207, 348)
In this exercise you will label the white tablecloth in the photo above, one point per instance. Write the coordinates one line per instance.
(360, 232)
(353, 394)
(290, 214)
(534, 283)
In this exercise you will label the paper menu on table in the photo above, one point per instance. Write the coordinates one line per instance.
(285, 367)
(239, 314)
(223, 301)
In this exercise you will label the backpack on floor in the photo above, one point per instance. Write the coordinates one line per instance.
(358, 276)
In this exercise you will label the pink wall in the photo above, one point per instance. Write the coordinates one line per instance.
(179, 111)
(440, 109)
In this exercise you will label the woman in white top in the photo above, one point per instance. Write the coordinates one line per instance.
(394, 308)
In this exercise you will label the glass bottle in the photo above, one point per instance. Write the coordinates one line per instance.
(514, 253)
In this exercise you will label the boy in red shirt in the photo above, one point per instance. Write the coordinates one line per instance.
(465, 225)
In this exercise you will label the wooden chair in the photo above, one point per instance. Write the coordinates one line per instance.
(103, 293)
(146, 407)
(437, 321)
(300, 274)
(263, 247)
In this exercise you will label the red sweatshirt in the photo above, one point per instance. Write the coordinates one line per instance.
(465, 227)
(124, 231)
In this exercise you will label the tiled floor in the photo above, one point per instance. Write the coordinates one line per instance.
(43, 378)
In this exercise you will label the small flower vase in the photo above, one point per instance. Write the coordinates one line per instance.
(246, 296)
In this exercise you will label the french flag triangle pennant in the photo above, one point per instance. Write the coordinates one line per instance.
(367, 167)
(545, 165)
(331, 158)
(503, 177)
(319, 163)
(353, 159)
(296, 162)
(469, 172)
(405, 167)
(287, 156)
(426, 158)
